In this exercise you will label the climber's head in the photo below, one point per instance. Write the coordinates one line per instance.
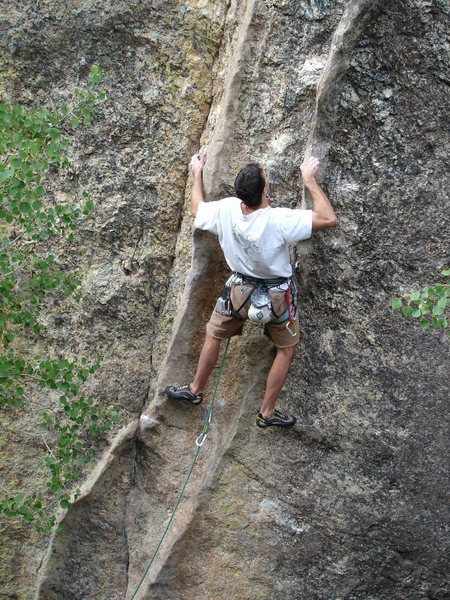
(250, 184)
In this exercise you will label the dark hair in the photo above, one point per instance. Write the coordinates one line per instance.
(249, 185)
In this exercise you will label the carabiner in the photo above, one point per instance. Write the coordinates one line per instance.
(288, 327)
(201, 439)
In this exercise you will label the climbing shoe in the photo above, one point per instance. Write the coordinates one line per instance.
(183, 393)
(277, 419)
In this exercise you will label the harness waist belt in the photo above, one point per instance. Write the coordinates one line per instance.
(256, 281)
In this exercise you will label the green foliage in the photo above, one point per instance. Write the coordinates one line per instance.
(33, 143)
(429, 306)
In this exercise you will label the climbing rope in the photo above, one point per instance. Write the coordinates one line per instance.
(199, 443)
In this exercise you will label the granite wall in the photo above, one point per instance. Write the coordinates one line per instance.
(350, 504)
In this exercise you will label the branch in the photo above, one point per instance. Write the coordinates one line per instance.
(49, 449)
(6, 491)
(71, 111)
(5, 246)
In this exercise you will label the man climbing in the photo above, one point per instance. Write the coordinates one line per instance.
(255, 241)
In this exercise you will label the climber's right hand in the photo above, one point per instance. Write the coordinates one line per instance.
(198, 162)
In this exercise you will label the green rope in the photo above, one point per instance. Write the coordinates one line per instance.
(200, 440)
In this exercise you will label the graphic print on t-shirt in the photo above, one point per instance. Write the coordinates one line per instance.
(250, 248)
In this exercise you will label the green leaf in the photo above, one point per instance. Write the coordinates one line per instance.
(41, 165)
(6, 174)
(24, 207)
(407, 311)
(86, 116)
(74, 122)
(88, 207)
(442, 303)
(396, 303)
(63, 441)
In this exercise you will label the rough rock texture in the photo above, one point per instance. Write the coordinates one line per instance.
(351, 503)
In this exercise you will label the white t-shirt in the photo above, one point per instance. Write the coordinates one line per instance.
(255, 244)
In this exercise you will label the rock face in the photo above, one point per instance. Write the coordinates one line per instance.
(351, 503)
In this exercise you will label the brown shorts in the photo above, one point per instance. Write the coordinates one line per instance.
(222, 327)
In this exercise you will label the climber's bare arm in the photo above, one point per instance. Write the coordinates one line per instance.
(323, 214)
(197, 164)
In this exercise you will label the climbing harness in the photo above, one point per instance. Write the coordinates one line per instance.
(261, 308)
(199, 443)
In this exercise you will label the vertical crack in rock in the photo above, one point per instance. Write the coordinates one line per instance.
(127, 547)
(204, 264)
(352, 23)
(356, 16)
(218, 147)
(132, 480)
(207, 265)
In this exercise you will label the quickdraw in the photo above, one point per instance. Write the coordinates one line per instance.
(292, 312)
